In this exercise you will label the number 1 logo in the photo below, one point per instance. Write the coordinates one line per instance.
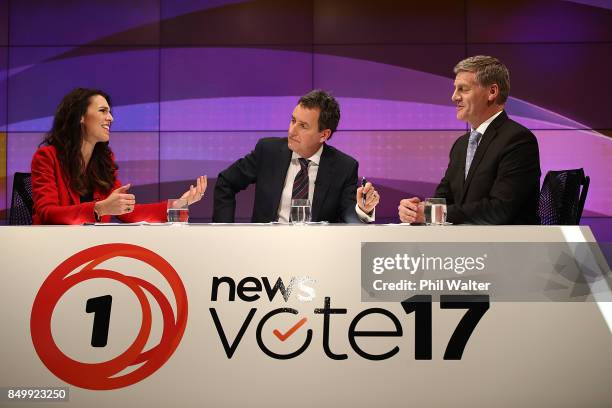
(101, 376)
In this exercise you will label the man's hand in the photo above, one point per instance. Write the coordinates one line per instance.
(371, 198)
(411, 210)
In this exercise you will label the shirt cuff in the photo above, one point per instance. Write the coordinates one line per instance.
(363, 217)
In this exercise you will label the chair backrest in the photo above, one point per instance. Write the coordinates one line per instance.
(562, 197)
(22, 203)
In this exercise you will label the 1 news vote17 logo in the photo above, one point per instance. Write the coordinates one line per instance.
(86, 265)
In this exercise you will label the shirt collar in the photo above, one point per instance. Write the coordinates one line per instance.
(484, 125)
(315, 158)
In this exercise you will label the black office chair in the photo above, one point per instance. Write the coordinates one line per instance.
(22, 203)
(562, 197)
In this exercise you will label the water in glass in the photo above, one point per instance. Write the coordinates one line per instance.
(300, 211)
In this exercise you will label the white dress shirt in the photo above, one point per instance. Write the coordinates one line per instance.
(284, 208)
(484, 125)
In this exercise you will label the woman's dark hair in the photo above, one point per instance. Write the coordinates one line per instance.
(67, 136)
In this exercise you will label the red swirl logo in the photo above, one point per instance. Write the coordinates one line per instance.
(101, 376)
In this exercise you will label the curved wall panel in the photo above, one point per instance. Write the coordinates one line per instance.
(196, 83)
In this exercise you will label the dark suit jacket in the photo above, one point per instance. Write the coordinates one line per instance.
(335, 187)
(503, 183)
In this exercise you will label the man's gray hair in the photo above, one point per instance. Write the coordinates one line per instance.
(489, 71)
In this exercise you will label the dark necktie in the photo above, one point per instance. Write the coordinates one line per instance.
(300, 183)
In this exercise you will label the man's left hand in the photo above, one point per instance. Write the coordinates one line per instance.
(371, 198)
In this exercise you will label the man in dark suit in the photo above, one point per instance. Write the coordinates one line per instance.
(493, 176)
(303, 166)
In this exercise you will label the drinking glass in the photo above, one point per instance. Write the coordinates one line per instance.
(435, 211)
(300, 211)
(178, 210)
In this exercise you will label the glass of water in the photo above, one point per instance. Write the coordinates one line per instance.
(300, 211)
(178, 210)
(435, 211)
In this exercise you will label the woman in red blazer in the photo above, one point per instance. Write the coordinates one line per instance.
(74, 175)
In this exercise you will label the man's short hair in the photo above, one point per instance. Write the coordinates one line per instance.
(489, 71)
(329, 115)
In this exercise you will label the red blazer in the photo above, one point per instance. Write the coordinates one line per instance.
(56, 203)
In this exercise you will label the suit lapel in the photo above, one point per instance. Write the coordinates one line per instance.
(481, 150)
(323, 181)
(279, 175)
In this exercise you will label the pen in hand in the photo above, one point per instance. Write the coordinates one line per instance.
(363, 196)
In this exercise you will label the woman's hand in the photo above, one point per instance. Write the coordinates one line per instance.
(193, 195)
(119, 202)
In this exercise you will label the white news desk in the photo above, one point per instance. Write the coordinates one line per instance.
(540, 354)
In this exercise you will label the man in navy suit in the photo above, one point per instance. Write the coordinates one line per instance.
(493, 176)
(302, 165)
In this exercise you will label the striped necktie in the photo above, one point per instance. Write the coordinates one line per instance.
(471, 150)
(300, 183)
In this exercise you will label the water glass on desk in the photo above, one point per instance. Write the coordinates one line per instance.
(178, 210)
(300, 211)
(435, 211)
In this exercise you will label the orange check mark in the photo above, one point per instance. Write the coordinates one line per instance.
(293, 329)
